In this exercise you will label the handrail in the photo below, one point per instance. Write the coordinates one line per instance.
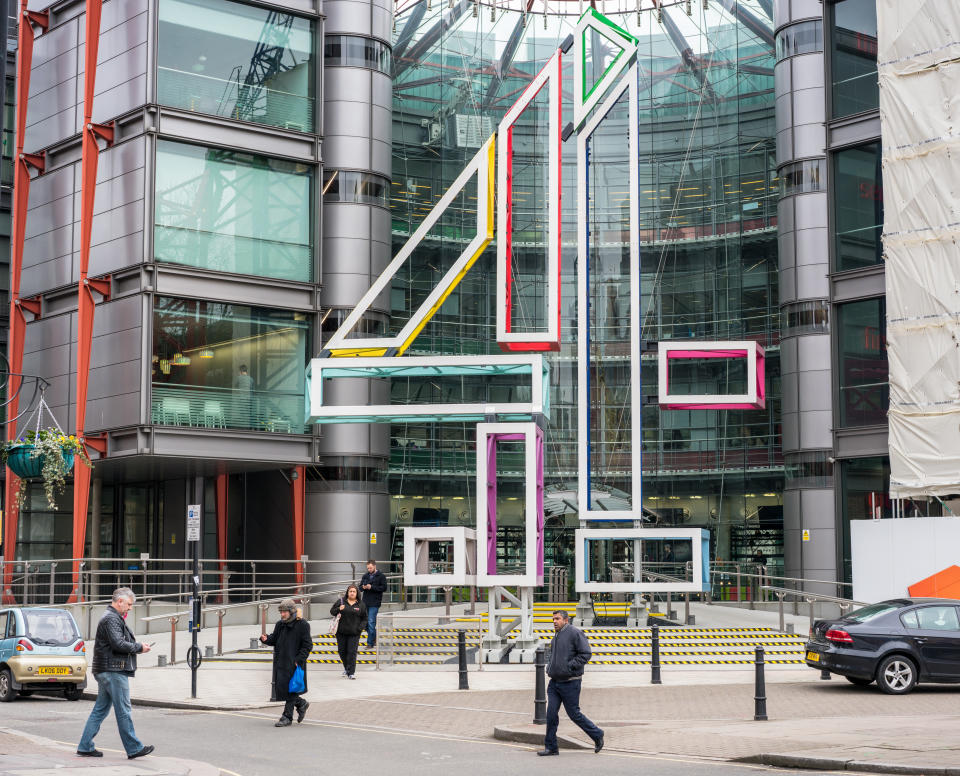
(811, 599)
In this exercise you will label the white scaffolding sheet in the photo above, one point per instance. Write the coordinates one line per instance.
(919, 71)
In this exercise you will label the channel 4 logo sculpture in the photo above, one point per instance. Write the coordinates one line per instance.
(346, 354)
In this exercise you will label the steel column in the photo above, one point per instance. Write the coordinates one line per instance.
(18, 323)
(299, 487)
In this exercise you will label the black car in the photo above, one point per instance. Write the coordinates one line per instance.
(896, 643)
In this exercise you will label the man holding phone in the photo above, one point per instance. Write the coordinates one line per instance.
(373, 584)
(114, 662)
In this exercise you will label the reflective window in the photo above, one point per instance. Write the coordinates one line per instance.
(862, 341)
(233, 211)
(805, 318)
(221, 366)
(938, 618)
(349, 473)
(864, 488)
(854, 57)
(858, 207)
(237, 61)
(802, 38)
(909, 619)
(352, 51)
(348, 186)
(802, 177)
(811, 469)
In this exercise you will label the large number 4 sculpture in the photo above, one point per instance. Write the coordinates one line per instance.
(475, 551)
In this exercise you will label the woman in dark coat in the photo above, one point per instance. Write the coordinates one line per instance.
(291, 644)
(353, 618)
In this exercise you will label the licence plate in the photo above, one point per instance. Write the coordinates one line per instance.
(813, 657)
(53, 671)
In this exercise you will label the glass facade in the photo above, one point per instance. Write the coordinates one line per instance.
(805, 318)
(803, 177)
(237, 61)
(862, 363)
(858, 207)
(708, 268)
(853, 60)
(234, 211)
(224, 366)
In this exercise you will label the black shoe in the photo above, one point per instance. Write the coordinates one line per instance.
(548, 752)
(302, 711)
(142, 753)
(598, 745)
(283, 722)
(91, 753)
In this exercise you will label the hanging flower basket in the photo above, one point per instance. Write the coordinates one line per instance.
(27, 463)
(46, 454)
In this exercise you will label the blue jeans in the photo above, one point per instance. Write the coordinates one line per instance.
(568, 694)
(113, 690)
(372, 625)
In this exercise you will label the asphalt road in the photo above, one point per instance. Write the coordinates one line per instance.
(246, 744)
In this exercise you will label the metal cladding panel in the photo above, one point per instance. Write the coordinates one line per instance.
(115, 380)
(806, 9)
(345, 220)
(813, 352)
(816, 429)
(791, 510)
(347, 119)
(812, 282)
(40, 277)
(788, 354)
(350, 84)
(381, 87)
(47, 333)
(810, 210)
(782, 84)
(813, 247)
(344, 289)
(809, 140)
(791, 431)
(122, 346)
(818, 508)
(348, 17)
(381, 158)
(785, 215)
(784, 110)
(809, 106)
(784, 150)
(349, 439)
(788, 382)
(42, 219)
(807, 72)
(348, 151)
(814, 390)
(59, 68)
(118, 315)
(786, 246)
(209, 286)
(277, 449)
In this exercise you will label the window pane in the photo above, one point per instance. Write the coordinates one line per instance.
(864, 391)
(353, 51)
(854, 57)
(233, 212)
(802, 177)
(805, 318)
(228, 366)
(234, 60)
(802, 38)
(865, 483)
(858, 194)
(348, 186)
(909, 620)
(938, 618)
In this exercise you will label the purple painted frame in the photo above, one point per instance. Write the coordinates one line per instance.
(492, 440)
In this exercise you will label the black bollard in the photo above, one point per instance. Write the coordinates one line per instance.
(760, 689)
(655, 654)
(540, 688)
(462, 653)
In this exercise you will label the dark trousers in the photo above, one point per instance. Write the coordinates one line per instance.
(347, 647)
(294, 701)
(568, 694)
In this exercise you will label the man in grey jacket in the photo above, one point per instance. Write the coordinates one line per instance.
(569, 653)
(114, 662)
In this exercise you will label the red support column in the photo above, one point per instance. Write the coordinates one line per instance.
(223, 504)
(21, 192)
(90, 150)
(299, 486)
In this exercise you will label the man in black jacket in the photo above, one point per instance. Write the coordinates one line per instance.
(569, 653)
(114, 662)
(291, 644)
(373, 584)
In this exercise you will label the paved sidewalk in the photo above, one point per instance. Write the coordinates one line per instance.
(27, 755)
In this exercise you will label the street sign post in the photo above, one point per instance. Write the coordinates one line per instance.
(194, 517)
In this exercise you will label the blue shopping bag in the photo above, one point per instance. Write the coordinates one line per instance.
(297, 684)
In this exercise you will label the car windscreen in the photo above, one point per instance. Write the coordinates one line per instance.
(869, 612)
(50, 628)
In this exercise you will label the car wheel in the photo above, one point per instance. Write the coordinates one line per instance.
(7, 693)
(72, 692)
(858, 681)
(897, 675)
